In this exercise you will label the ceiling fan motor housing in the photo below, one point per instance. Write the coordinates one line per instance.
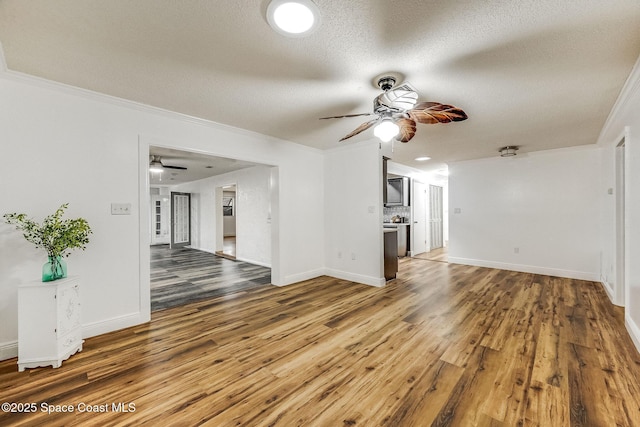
(387, 82)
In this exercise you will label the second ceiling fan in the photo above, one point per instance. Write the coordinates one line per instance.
(398, 111)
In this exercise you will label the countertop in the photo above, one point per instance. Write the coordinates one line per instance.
(394, 224)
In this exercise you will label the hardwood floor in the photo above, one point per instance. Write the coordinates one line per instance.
(440, 254)
(180, 276)
(228, 248)
(442, 345)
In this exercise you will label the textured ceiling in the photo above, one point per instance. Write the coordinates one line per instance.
(539, 74)
(198, 166)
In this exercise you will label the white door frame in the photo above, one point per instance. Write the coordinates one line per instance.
(144, 203)
(620, 291)
(440, 211)
(415, 246)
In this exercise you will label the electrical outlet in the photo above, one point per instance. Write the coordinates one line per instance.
(353, 256)
(339, 254)
(516, 250)
(120, 208)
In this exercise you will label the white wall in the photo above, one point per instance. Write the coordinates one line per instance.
(253, 228)
(62, 144)
(353, 213)
(546, 204)
(623, 121)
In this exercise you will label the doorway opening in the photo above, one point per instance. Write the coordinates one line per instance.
(178, 264)
(227, 208)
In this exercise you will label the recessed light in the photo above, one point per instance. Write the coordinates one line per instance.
(422, 159)
(293, 18)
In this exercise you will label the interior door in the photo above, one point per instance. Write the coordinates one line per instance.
(419, 226)
(180, 219)
(435, 217)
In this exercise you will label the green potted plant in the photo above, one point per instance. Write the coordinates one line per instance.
(54, 235)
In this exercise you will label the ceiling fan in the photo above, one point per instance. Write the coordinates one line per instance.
(398, 111)
(156, 163)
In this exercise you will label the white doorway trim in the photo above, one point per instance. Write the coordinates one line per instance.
(621, 289)
(144, 198)
(419, 230)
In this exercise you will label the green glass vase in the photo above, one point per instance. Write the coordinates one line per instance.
(54, 269)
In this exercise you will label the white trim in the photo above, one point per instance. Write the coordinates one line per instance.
(633, 330)
(113, 324)
(3, 69)
(630, 87)
(144, 227)
(556, 272)
(8, 350)
(608, 289)
(378, 282)
(121, 102)
(299, 277)
(250, 261)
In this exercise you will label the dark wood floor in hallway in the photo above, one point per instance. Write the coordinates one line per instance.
(442, 345)
(183, 275)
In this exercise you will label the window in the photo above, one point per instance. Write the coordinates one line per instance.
(227, 206)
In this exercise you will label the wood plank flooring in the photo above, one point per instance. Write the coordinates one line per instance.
(442, 345)
(440, 254)
(180, 276)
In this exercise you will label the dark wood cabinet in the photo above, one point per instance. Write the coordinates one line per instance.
(390, 253)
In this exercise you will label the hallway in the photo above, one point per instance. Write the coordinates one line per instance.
(180, 276)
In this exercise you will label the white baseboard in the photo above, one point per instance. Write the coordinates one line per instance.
(634, 331)
(8, 350)
(250, 261)
(378, 282)
(608, 289)
(113, 324)
(556, 272)
(301, 277)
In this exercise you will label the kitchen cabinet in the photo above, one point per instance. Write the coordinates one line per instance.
(384, 180)
(402, 237)
(49, 322)
(390, 253)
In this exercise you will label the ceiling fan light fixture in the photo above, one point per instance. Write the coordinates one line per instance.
(293, 18)
(155, 167)
(386, 130)
(508, 151)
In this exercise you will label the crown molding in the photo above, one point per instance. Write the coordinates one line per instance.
(31, 80)
(629, 90)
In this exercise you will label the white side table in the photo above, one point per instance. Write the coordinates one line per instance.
(49, 322)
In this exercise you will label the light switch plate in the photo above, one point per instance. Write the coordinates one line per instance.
(120, 208)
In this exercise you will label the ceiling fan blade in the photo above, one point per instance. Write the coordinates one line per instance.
(346, 115)
(407, 129)
(434, 112)
(360, 128)
(174, 167)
